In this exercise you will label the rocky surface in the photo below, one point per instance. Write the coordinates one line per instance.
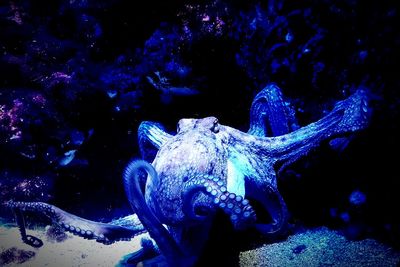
(321, 247)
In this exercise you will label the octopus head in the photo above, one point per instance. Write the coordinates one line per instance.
(185, 162)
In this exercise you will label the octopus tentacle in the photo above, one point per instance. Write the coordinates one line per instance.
(269, 113)
(147, 251)
(238, 209)
(348, 116)
(101, 232)
(167, 245)
(151, 136)
(27, 239)
(274, 204)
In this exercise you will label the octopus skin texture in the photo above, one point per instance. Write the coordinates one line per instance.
(204, 168)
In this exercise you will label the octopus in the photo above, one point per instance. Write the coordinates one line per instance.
(184, 179)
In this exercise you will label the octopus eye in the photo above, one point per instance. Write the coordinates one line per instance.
(178, 128)
(215, 126)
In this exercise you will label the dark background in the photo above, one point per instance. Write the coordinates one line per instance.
(74, 87)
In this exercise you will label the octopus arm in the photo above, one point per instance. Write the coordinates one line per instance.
(249, 177)
(105, 233)
(348, 116)
(270, 115)
(151, 136)
(168, 246)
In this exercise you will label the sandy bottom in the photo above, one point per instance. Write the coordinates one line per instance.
(318, 247)
(74, 251)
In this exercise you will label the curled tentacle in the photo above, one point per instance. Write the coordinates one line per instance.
(27, 239)
(166, 243)
(239, 210)
(270, 115)
(274, 204)
(105, 233)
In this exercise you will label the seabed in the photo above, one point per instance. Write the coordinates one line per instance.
(313, 247)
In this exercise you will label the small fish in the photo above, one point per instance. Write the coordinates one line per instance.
(68, 157)
(169, 91)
